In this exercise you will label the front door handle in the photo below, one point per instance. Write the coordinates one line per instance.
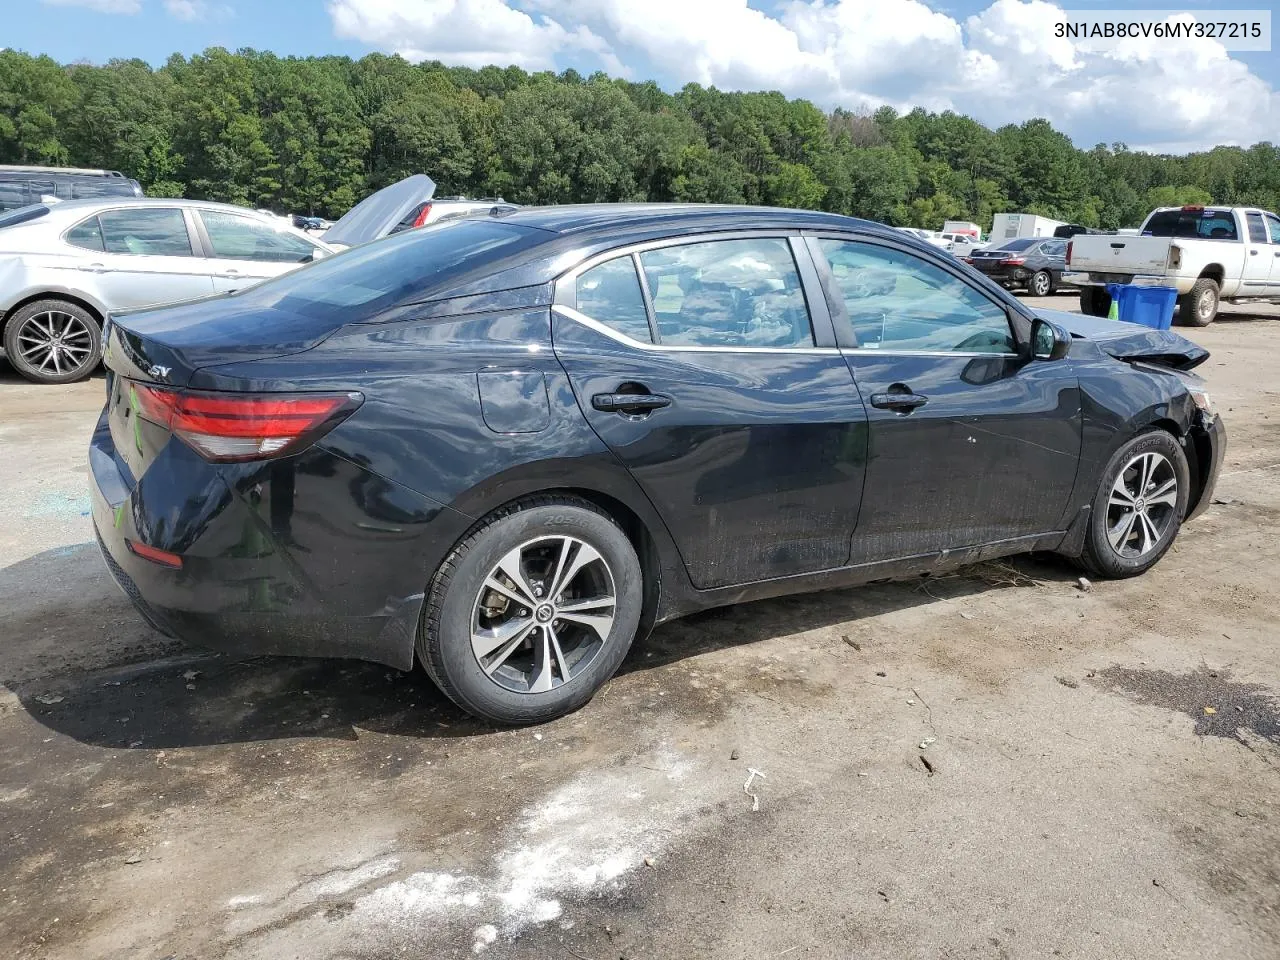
(629, 402)
(904, 402)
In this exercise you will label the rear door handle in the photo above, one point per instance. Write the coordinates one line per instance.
(629, 402)
(898, 401)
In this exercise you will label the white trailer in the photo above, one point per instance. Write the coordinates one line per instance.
(1009, 226)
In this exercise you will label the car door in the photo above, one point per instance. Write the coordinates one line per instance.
(1256, 280)
(721, 390)
(140, 256)
(1054, 253)
(969, 443)
(243, 250)
(1273, 234)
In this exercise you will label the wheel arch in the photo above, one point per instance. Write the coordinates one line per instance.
(99, 312)
(1215, 272)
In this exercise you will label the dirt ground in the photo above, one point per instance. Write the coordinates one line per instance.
(996, 764)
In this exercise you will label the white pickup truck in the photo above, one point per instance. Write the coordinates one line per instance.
(1210, 254)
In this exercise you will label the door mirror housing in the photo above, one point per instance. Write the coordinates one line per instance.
(1048, 340)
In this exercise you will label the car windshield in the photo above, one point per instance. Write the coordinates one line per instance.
(23, 214)
(1022, 243)
(406, 268)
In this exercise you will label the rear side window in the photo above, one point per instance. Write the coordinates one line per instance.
(896, 301)
(87, 234)
(1257, 229)
(146, 231)
(728, 293)
(1054, 248)
(1192, 225)
(13, 194)
(244, 238)
(610, 293)
(91, 188)
(359, 283)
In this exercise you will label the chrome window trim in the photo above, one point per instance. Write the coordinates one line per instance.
(570, 313)
(683, 240)
(874, 351)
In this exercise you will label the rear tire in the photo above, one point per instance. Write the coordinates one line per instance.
(53, 341)
(527, 651)
(1095, 301)
(1137, 514)
(1041, 284)
(1199, 306)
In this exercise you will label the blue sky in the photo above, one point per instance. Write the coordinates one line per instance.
(999, 66)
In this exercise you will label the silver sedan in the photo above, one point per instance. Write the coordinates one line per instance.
(65, 266)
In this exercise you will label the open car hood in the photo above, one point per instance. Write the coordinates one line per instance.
(378, 213)
(1130, 341)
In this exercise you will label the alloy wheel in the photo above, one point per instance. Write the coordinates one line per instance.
(543, 614)
(1040, 284)
(55, 342)
(1207, 305)
(1142, 504)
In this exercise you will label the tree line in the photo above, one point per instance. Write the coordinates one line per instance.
(314, 135)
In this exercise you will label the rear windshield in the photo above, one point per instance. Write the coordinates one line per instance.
(1020, 244)
(407, 268)
(32, 212)
(1192, 225)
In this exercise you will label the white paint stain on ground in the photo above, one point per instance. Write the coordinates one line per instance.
(581, 840)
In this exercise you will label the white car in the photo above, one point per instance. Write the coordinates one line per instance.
(959, 244)
(65, 267)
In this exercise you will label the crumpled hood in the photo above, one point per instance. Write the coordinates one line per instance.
(1131, 341)
(376, 215)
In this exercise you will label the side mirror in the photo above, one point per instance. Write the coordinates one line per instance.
(1048, 340)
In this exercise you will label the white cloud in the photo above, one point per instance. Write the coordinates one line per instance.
(471, 33)
(101, 6)
(192, 10)
(1002, 65)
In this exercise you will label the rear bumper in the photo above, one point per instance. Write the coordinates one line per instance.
(1005, 275)
(1211, 447)
(293, 557)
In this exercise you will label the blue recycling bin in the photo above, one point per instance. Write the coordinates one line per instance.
(1149, 306)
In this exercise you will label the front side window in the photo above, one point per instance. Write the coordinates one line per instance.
(898, 301)
(87, 234)
(610, 293)
(728, 293)
(234, 237)
(1273, 227)
(1257, 229)
(146, 231)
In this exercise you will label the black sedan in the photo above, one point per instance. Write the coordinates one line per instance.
(1034, 264)
(505, 447)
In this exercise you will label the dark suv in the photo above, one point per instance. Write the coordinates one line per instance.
(20, 186)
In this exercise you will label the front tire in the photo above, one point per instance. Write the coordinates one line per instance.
(533, 611)
(53, 341)
(1199, 307)
(1138, 509)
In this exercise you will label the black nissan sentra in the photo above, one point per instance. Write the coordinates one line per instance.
(507, 446)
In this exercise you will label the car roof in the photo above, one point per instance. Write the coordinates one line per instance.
(622, 218)
(88, 205)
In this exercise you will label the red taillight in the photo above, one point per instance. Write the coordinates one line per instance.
(155, 554)
(243, 426)
(421, 218)
(1015, 261)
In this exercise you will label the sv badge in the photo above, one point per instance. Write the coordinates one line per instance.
(158, 372)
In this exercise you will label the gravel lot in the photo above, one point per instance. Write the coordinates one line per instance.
(1101, 776)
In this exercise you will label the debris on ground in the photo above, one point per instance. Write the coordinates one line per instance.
(1210, 711)
(1084, 585)
(49, 698)
(190, 674)
(733, 754)
(965, 616)
(927, 765)
(752, 773)
(133, 858)
(1068, 683)
(851, 642)
(924, 744)
(1225, 501)
(881, 673)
